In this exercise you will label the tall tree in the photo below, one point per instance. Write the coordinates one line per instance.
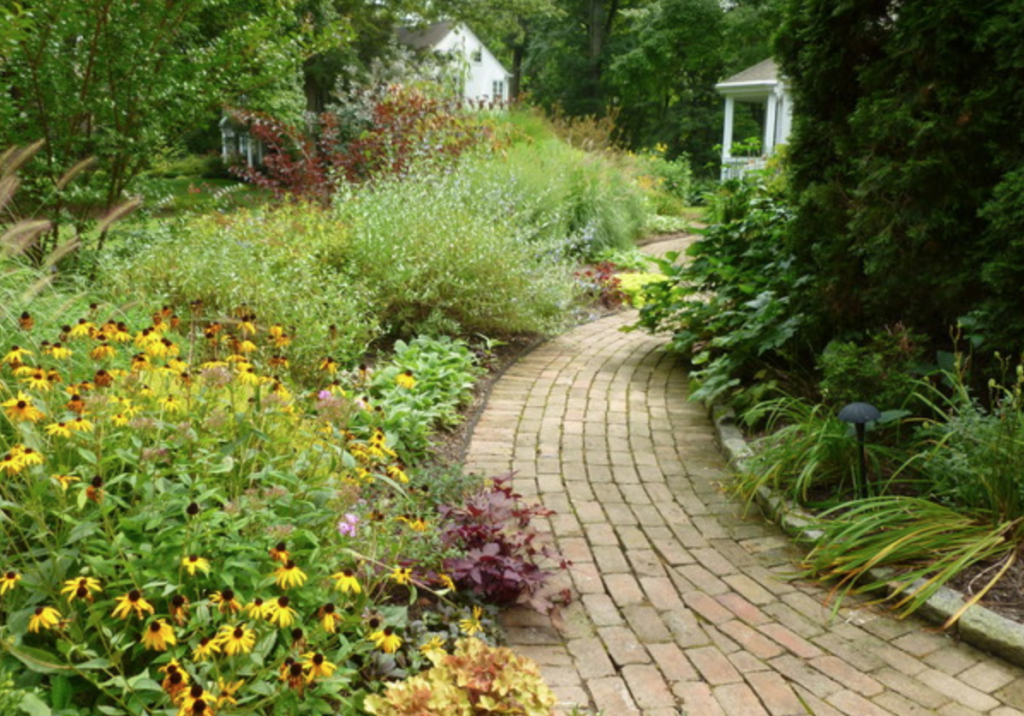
(907, 158)
(111, 81)
(662, 78)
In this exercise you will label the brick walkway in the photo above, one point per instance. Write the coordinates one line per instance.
(681, 602)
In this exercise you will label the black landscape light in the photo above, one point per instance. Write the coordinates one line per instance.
(860, 414)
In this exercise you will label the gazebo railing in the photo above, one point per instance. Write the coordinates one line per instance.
(736, 167)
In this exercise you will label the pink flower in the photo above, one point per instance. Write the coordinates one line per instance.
(347, 526)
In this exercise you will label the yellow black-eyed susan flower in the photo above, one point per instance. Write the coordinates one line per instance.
(317, 667)
(21, 409)
(11, 464)
(226, 601)
(27, 455)
(133, 601)
(386, 640)
(471, 626)
(25, 321)
(81, 588)
(329, 617)
(59, 351)
(329, 365)
(171, 403)
(158, 636)
(346, 582)
(175, 680)
(82, 329)
(193, 563)
(81, 425)
(103, 351)
(44, 618)
(401, 575)
(8, 581)
(257, 609)
(15, 355)
(236, 639)
(288, 575)
(65, 481)
(405, 380)
(38, 380)
(226, 691)
(279, 553)
(281, 612)
(207, 647)
(58, 430)
(197, 702)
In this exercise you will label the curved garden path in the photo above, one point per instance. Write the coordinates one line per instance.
(681, 602)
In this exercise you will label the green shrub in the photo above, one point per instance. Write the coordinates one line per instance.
(672, 177)
(209, 166)
(440, 254)
(632, 284)
(730, 309)
(270, 261)
(882, 373)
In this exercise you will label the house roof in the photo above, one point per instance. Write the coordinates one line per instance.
(763, 73)
(423, 38)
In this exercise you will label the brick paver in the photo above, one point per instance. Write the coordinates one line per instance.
(682, 602)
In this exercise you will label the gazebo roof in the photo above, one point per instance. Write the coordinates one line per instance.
(758, 79)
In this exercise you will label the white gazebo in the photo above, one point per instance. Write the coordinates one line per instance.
(760, 84)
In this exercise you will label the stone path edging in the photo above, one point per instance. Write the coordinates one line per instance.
(978, 626)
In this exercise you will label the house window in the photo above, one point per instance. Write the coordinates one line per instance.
(478, 55)
(498, 89)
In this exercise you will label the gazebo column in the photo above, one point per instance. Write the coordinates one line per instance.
(770, 118)
(730, 109)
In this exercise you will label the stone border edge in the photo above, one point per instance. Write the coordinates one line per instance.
(979, 627)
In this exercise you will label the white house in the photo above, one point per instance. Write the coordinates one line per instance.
(760, 84)
(484, 78)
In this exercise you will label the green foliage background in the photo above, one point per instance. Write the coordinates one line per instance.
(906, 162)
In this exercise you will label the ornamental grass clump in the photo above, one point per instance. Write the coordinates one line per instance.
(945, 495)
(186, 530)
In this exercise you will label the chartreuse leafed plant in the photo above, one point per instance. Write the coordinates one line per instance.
(475, 679)
(185, 532)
